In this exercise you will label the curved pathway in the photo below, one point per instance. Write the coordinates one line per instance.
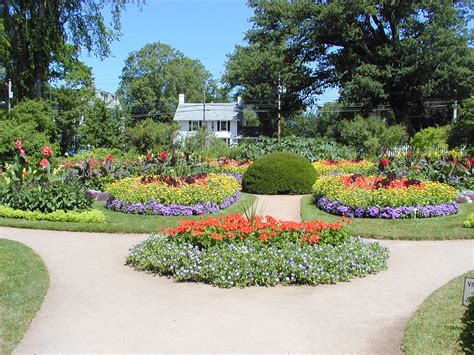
(97, 304)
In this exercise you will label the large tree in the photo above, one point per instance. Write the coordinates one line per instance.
(37, 32)
(155, 75)
(395, 53)
(257, 71)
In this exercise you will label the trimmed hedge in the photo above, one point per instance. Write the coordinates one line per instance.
(92, 216)
(279, 173)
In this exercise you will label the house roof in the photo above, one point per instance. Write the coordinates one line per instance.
(214, 112)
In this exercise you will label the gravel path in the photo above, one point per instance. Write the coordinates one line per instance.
(284, 207)
(97, 304)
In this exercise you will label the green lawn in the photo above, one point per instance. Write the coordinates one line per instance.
(450, 227)
(436, 326)
(24, 281)
(118, 222)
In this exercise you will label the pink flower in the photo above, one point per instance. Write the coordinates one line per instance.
(21, 152)
(44, 163)
(47, 151)
(18, 144)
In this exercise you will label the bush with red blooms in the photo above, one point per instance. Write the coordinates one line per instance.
(236, 228)
(24, 173)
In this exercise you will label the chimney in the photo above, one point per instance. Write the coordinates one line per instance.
(181, 99)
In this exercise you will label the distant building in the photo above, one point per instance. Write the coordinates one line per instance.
(220, 118)
(111, 100)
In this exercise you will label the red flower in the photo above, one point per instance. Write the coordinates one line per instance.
(47, 151)
(44, 163)
(469, 162)
(108, 158)
(384, 162)
(18, 144)
(148, 156)
(163, 155)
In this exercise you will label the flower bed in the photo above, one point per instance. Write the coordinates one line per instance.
(199, 194)
(325, 167)
(377, 197)
(91, 216)
(232, 251)
(230, 166)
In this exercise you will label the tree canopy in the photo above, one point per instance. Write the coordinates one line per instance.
(395, 53)
(38, 32)
(257, 71)
(155, 75)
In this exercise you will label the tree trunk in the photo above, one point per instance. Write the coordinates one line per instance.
(402, 114)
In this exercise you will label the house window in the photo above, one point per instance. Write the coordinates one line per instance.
(210, 125)
(222, 126)
(194, 125)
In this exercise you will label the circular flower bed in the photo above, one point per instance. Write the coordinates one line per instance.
(325, 167)
(377, 197)
(233, 251)
(194, 195)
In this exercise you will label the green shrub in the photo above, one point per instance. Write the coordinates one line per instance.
(371, 136)
(252, 263)
(311, 148)
(469, 222)
(33, 140)
(462, 132)
(430, 139)
(92, 216)
(53, 197)
(279, 173)
(149, 135)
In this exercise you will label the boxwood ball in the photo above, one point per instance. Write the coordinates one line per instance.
(281, 173)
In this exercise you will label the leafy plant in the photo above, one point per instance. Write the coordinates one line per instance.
(49, 198)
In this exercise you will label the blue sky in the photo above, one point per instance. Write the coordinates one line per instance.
(206, 30)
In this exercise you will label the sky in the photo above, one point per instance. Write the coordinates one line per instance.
(206, 30)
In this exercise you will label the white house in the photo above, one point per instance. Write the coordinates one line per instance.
(219, 118)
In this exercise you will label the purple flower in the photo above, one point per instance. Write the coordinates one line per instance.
(155, 208)
(337, 208)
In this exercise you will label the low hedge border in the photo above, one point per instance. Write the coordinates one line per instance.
(157, 209)
(339, 209)
(90, 216)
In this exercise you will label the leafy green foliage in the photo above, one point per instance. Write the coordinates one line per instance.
(371, 136)
(37, 32)
(54, 196)
(205, 144)
(38, 114)
(469, 222)
(252, 263)
(26, 132)
(279, 173)
(311, 148)
(431, 139)
(462, 131)
(385, 53)
(155, 75)
(102, 127)
(149, 135)
(256, 71)
(90, 216)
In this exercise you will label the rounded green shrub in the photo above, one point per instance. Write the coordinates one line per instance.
(279, 173)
